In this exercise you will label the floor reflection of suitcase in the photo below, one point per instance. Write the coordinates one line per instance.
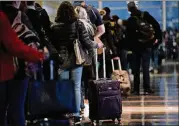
(105, 100)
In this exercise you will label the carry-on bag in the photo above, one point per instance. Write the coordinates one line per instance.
(105, 100)
(123, 77)
(49, 98)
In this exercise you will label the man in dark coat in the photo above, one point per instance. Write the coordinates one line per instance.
(141, 50)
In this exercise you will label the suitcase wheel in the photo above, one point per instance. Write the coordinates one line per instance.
(93, 122)
(113, 119)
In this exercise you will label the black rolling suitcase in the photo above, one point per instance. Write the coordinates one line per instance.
(105, 101)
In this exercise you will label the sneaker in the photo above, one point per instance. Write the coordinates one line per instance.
(136, 93)
(155, 71)
(148, 92)
(77, 120)
(131, 77)
(151, 69)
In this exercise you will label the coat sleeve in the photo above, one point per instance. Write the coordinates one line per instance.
(84, 37)
(13, 45)
(155, 24)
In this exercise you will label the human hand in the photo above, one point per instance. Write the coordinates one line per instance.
(46, 53)
(156, 41)
(100, 45)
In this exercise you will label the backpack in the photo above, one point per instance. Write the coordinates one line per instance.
(25, 34)
(145, 30)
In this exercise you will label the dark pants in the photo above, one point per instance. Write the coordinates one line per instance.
(142, 56)
(12, 100)
(130, 60)
(87, 75)
(123, 58)
(108, 66)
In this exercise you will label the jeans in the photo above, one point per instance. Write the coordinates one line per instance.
(75, 74)
(12, 98)
(142, 56)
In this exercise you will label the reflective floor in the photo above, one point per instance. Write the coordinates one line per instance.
(160, 108)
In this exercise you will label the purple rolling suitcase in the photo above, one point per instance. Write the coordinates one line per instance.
(105, 101)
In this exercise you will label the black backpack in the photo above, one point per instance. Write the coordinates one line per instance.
(145, 30)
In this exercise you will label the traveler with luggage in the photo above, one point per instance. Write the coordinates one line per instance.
(65, 33)
(94, 17)
(98, 26)
(13, 92)
(83, 17)
(143, 32)
(110, 43)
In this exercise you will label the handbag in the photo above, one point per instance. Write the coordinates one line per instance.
(46, 98)
(81, 54)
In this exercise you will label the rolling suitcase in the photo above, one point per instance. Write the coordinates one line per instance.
(105, 100)
(123, 77)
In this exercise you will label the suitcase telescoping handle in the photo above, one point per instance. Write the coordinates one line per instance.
(119, 63)
(41, 71)
(104, 64)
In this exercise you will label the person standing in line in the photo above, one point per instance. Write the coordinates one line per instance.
(12, 98)
(142, 52)
(64, 31)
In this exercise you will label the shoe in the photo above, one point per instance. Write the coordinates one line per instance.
(136, 93)
(77, 120)
(155, 71)
(151, 69)
(148, 92)
(131, 77)
(82, 112)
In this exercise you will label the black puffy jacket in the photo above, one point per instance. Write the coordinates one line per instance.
(64, 34)
(108, 40)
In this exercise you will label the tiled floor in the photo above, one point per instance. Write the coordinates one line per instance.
(158, 109)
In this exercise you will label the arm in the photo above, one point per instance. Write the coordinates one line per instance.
(99, 24)
(13, 45)
(84, 37)
(155, 24)
(100, 31)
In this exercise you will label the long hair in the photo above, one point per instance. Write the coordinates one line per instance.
(66, 13)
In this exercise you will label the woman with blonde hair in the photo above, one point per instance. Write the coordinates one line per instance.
(83, 17)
